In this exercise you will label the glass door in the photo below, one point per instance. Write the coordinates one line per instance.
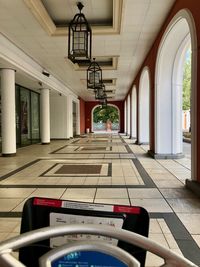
(25, 119)
(35, 118)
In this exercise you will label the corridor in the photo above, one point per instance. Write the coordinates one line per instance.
(105, 168)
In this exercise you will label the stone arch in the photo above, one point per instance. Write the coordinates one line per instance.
(92, 112)
(168, 86)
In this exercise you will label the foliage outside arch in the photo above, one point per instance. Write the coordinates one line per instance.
(108, 113)
(103, 115)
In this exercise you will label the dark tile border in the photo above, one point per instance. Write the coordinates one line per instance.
(9, 214)
(93, 153)
(186, 243)
(19, 169)
(110, 148)
(126, 145)
(109, 169)
(54, 152)
(105, 152)
(148, 182)
(122, 139)
(70, 186)
(75, 141)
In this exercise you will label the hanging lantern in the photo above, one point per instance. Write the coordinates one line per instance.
(100, 92)
(104, 102)
(80, 38)
(94, 75)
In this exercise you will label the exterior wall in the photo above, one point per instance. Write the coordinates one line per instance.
(90, 105)
(82, 116)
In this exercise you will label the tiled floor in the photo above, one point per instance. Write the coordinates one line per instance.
(127, 176)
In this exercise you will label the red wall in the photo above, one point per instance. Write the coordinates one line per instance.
(90, 105)
(82, 116)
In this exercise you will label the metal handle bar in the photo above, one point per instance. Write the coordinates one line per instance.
(171, 258)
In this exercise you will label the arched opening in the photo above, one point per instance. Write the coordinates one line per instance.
(106, 119)
(134, 113)
(144, 96)
(179, 36)
(128, 115)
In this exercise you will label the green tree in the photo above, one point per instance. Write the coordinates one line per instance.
(187, 82)
(103, 114)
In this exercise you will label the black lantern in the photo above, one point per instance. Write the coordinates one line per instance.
(100, 92)
(80, 38)
(103, 102)
(94, 75)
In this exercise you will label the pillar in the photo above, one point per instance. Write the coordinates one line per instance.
(128, 116)
(45, 116)
(125, 117)
(8, 123)
(69, 117)
(78, 118)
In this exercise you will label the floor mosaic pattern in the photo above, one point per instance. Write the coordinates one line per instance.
(110, 169)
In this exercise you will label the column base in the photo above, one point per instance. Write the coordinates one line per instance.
(165, 156)
(143, 143)
(193, 186)
(9, 155)
(45, 143)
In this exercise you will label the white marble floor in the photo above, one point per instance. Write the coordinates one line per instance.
(127, 177)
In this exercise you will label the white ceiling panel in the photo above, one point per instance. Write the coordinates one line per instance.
(141, 22)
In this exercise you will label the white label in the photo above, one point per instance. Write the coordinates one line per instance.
(62, 219)
(86, 206)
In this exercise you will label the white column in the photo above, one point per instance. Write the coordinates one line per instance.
(8, 123)
(125, 115)
(45, 116)
(134, 113)
(78, 118)
(128, 116)
(69, 117)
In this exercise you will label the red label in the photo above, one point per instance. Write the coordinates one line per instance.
(47, 202)
(126, 209)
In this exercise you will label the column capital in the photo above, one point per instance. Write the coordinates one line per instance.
(6, 68)
(44, 89)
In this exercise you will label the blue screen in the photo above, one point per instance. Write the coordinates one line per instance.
(87, 259)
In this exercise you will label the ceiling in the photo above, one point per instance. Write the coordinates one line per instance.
(123, 33)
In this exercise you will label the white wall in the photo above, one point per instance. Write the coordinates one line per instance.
(58, 117)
